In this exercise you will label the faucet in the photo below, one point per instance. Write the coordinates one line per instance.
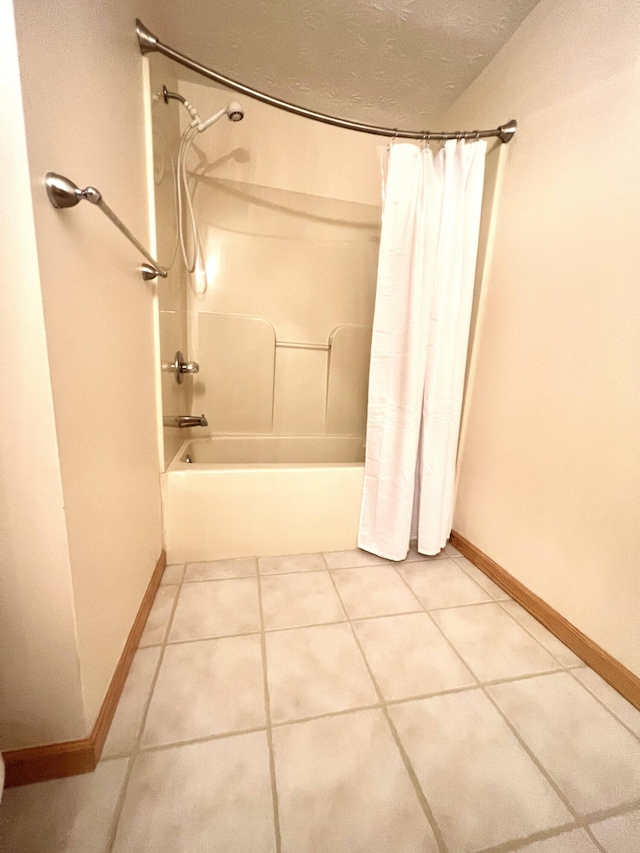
(184, 421)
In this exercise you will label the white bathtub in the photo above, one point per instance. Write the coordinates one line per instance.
(244, 496)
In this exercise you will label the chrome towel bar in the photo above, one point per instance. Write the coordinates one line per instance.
(64, 193)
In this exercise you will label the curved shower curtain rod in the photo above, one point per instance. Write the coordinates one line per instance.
(149, 43)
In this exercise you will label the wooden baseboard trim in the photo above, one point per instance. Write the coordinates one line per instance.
(71, 758)
(613, 672)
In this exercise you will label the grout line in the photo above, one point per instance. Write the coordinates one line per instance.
(460, 606)
(422, 800)
(531, 634)
(339, 713)
(301, 572)
(581, 822)
(522, 844)
(515, 845)
(216, 580)
(373, 706)
(484, 689)
(506, 595)
(600, 702)
(521, 741)
(450, 607)
(143, 720)
(208, 639)
(559, 792)
(176, 744)
(594, 840)
(267, 706)
(431, 610)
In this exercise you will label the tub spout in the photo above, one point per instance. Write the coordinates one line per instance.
(184, 421)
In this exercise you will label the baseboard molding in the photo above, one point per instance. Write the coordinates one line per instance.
(71, 758)
(613, 672)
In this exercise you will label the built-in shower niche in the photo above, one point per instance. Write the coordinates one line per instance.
(283, 333)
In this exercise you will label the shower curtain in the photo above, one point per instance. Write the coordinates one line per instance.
(428, 248)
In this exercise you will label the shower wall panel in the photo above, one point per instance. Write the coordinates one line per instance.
(172, 291)
(289, 215)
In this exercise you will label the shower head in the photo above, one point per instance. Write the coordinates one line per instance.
(235, 111)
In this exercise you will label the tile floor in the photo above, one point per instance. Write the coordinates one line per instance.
(340, 703)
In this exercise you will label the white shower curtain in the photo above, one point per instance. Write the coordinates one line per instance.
(428, 249)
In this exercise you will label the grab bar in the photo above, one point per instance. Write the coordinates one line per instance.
(64, 193)
(300, 345)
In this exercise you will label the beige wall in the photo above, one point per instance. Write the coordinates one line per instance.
(83, 99)
(40, 696)
(289, 214)
(550, 460)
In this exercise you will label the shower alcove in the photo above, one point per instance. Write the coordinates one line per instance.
(289, 215)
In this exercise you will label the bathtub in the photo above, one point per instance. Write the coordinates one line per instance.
(244, 496)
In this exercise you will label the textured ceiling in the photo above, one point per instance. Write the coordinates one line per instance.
(396, 62)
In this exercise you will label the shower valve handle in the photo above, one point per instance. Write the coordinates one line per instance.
(179, 367)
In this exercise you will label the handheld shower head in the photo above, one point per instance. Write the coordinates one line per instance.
(235, 111)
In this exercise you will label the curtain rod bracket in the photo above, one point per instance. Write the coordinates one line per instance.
(149, 43)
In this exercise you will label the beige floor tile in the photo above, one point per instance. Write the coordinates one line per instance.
(594, 760)
(351, 559)
(244, 567)
(442, 583)
(549, 641)
(124, 730)
(292, 601)
(492, 643)
(156, 627)
(374, 591)
(206, 688)
(481, 579)
(216, 609)
(450, 551)
(482, 786)
(409, 656)
(72, 815)
(211, 797)
(619, 834)
(316, 670)
(415, 555)
(609, 697)
(172, 574)
(575, 841)
(343, 788)
(294, 563)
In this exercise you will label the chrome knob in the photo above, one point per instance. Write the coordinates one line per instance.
(179, 367)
